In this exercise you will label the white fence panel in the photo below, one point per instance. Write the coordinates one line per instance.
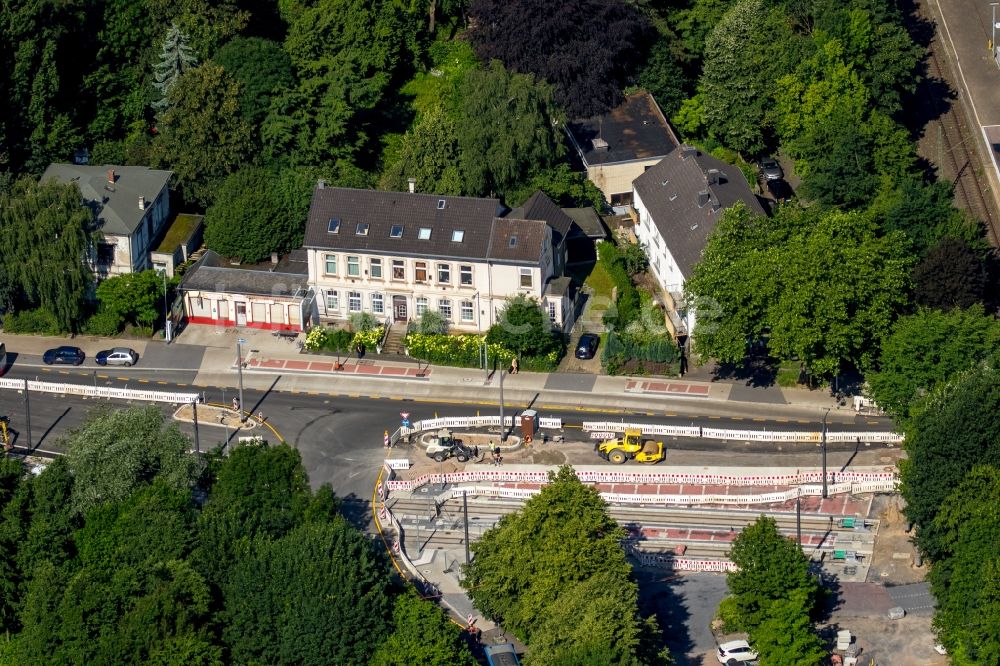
(397, 463)
(545, 422)
(891, 437)
(645, 428)
(100, 391)
(759, 435)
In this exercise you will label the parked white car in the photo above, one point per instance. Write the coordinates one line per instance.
(738, 650)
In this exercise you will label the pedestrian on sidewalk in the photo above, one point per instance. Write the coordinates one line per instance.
(260, 417)
(497, 457)
(236, 405)
(513, 366)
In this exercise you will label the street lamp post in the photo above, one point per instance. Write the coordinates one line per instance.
(503, 427)
(482, 342)
(825, 415)
(166, 319)
(993, 34)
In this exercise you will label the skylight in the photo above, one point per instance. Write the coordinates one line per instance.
(333, 227)
(396, 231)
(513, 241)
(457, 235)
(424, 233)
(441, 204)
(362, 229)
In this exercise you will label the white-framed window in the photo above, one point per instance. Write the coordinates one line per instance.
(421, 305)
(552, 312)
(354, 301)
(465, 275)
(527, 279)
(420, 271)
(353, 267)
(332, 301)
(467, 312)
(375, 267)
(331, 264)
(444, 273)
(444, 307)
(424, 233)
(398, 269)
(378, 304)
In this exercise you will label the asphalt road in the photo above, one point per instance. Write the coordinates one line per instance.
(339, 436)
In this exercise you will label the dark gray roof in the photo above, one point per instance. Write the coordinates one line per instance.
(117, 204)
(540, 207)
(634, 130)
(381, 211)
(685, 194)
(518, 241)
(587, 221)
(212, 273)
(561, 286)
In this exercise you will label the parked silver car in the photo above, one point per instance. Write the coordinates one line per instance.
(117, 356)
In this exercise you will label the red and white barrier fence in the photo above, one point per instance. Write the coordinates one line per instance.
(101, 391)
(741, 435)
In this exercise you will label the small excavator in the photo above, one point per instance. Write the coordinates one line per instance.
(444, 445)
(631, 447)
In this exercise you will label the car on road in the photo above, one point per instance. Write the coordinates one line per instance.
(587, 346)
(770, 169)
(117, 356)
(738, 651)
(64, 356)
(779, 190)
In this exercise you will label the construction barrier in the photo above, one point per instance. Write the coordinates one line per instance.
(682, 563)
(100, 391)
(646, 428)
(397, 463)
(890, 437)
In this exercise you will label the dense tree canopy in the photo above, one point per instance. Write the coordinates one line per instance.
(955, 429)
(556, 575)
(263, 70)
(587, 49)
(523, 328)
(953, 274)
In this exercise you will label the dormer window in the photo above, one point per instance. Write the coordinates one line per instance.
(424, 233)
(396, 231)
(333, 226)
(457, 235)
(362, 229)
(441, 204)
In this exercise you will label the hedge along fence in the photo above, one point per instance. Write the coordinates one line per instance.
(659, 349)
(341, 340)
(464, 351)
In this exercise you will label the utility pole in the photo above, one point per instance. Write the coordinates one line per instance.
(166, 319)
(239, 366)
(798, 519)
(194, 412)
(824, 451)
(993, 33)
(503, 426)
(484, 351)
(27, 414)
(465, 512)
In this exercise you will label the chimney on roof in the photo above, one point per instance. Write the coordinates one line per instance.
(274, 258)
(688, 151)
(142, 203)
(599, 144)
(703, 198)
(320, 184)
(412, 183)
(111, 176)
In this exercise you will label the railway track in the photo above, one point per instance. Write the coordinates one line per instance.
(957, 158)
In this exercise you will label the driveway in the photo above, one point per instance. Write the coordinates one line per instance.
(684, 605)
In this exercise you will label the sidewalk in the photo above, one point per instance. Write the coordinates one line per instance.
(210, 353)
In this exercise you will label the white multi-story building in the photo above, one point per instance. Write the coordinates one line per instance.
(397, 254)
(677, 204)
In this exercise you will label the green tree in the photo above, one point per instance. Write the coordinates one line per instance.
(202, 137)
(954, 274)
(46, 236)
(258, 211)
(208, 23)
(429, 153)
(136, 298)
(263, 70)
(770, 568)
(421, 634)
(926, 349)
(176, 57)
(663, 76)
(926, 213)
(786, 637)
(315, 596)
(565, 186)
(524, 329)
(541, 560)
(115, 452)
(506, 129)
(955, 429)
(966, 577)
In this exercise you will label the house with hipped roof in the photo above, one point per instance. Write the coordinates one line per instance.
(131, 206)
(677, 204)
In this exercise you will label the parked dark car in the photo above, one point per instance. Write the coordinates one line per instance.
(117, 356)
(779, 190)
(770, 169)
(587, 346)
(64, 356)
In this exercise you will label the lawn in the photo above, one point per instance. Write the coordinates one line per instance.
(601, 287)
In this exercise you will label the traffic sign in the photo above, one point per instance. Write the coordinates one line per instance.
(405, 415)
(406, 423)
(241, 341)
